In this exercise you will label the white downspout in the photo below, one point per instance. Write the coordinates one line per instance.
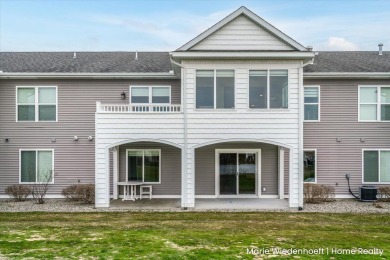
(185, 146)
(301, 116)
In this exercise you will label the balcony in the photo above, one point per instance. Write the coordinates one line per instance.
(141, 108)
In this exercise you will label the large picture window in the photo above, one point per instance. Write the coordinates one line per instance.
(376, 166)
(150, 95)
(36, 104)
(215, 89)
(374, 103)
(268, 89)
(309, 166)
(143, 165)
(312, 103)
(36, 166)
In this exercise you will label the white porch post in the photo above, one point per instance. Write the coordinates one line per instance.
(183, 178)
(281, 173)
(115, 159)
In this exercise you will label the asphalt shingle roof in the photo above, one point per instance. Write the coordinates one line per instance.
(125, 62)
(350, 61)
(87, 62)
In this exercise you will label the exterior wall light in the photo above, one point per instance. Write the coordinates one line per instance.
(123, 95)
(75, 138)
(90, 138)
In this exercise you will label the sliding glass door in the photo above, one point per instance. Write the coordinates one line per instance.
(237, 173)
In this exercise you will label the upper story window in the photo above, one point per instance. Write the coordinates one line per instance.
(268, 89)
(215, 89)
(374, 103)
(36, 104)
(312, 103)
(150, 95)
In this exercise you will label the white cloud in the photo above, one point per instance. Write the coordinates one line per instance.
(340, 44)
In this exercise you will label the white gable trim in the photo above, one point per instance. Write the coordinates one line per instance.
(243, 10)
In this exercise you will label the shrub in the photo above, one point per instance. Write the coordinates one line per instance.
(18, 192)
(384, 193)
(315, 193)
(80, 192)
(70, 193)
(86, 193)
(39, 189)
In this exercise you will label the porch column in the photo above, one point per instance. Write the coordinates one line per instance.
(115, 174)
(281, 173)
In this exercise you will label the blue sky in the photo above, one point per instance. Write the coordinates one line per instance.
(151, 25)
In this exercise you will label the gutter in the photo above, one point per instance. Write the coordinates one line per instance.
(71, 75)
(346, 75)
(300, 131)
(246, 55)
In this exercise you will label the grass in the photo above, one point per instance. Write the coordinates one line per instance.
(190, 235)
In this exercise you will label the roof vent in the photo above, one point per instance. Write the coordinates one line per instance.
(136, 55)
(309, 48)
(380, 45)
(74, 55)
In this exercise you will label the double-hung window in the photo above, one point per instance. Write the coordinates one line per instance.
(36, 104)
(268, 89)
(374, 103)
(215, 89)
(312, 103)
(36, 166)
(150, 95)
(143, 165)
(376, 166)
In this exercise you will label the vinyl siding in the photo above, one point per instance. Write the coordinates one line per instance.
(205, 166)
(243, 124)
(74, 161)
(339, 119)
(170, 167)
(242, 34)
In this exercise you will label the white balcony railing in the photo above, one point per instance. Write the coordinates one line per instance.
(120, 108)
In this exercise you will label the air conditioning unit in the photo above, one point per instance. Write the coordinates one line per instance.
(368, 193)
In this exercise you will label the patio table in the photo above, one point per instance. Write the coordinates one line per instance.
(130, 189)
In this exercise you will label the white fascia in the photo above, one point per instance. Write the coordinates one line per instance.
(346, 75)
(70, 75)
(242, 55)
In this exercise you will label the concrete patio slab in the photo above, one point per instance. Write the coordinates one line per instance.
(201, 204)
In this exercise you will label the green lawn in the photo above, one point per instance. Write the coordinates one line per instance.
(187, 235)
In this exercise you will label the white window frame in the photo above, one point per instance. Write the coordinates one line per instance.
(36, 164)
(151, 94)
(315, 165)
(36, 104)
(143, 164)
(378, 103)
(257, 179)
(215, 92)
(318, 103)
(268, 108)
(379, 165)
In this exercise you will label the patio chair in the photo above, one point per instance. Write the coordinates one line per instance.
(145, 190)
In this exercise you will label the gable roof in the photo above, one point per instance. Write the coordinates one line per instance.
(349, 61)
(85, 62)
(252, 16)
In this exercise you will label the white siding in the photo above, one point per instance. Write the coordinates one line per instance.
(242, 34)
(113, 128)
(274, 126)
